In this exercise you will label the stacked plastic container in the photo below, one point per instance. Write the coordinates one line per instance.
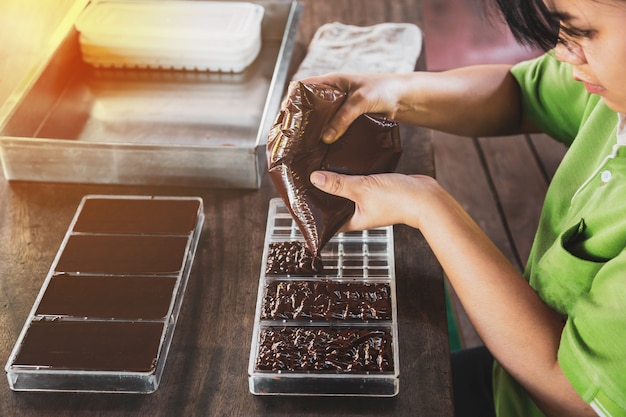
(171, 34)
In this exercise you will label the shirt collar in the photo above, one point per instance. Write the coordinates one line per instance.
(621, 129)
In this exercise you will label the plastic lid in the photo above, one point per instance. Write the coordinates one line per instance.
(180, 19)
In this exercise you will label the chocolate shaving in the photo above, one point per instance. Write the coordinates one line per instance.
(319, 349)
(292, 258)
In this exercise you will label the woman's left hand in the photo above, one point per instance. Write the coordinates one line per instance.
(514, 323)
(380, 199)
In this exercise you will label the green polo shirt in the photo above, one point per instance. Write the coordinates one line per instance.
(578, 261)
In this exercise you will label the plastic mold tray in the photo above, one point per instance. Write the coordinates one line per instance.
(105, 315)
(333, 333)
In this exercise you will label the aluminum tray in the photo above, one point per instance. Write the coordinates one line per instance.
(106, 313)
(349, 258)
(70, 122)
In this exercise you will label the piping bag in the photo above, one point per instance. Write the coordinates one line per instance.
(295, 149)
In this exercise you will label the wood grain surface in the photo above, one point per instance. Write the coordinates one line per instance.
(206, 371)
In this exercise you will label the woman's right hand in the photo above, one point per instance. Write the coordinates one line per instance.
(366, 93)
(472, 101)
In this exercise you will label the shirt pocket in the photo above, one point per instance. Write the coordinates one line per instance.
(565, 272)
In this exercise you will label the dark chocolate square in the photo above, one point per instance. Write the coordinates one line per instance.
(91, 345)
(140, 216)
(326, 300)
(322, 349)
(123, 254)
(108, 297)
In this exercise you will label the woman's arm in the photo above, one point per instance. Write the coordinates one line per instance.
(521, 332)
(472, 101)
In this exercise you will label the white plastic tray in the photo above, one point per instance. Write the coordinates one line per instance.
(182, 34)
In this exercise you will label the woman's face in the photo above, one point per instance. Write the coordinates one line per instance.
(593, 40)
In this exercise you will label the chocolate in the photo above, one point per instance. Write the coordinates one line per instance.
(93, 345)
(112, 295)
(123, 254)
(326, 300)
(306, 349)
(140, 216)
(292, 258)
(108, 297)
(294, 150)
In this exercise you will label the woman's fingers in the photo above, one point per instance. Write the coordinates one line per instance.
(329, 182)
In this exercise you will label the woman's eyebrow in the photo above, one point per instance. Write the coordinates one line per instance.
(563, 16)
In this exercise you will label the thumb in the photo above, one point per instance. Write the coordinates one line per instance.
(330, 182)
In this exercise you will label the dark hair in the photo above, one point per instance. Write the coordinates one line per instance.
(530, 21)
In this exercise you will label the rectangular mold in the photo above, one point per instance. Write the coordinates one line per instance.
(104, 326)
(71, 122)
(357, 265)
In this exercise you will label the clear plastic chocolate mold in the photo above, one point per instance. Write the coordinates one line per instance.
(107, 310)
(331, 333)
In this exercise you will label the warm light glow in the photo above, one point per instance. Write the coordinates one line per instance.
(26, 27)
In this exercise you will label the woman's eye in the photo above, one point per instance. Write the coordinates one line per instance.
(575, 33)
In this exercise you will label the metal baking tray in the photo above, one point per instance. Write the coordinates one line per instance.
(351, 259)
(71, 122)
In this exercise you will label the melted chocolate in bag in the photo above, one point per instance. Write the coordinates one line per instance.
(370, 145)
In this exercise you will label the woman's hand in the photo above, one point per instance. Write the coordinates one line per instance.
(366, 93)
(481, 100)
(513, 322)
(381, 199)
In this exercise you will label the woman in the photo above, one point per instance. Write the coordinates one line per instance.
(557, 332)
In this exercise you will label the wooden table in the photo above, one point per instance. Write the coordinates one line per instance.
(206, 372)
